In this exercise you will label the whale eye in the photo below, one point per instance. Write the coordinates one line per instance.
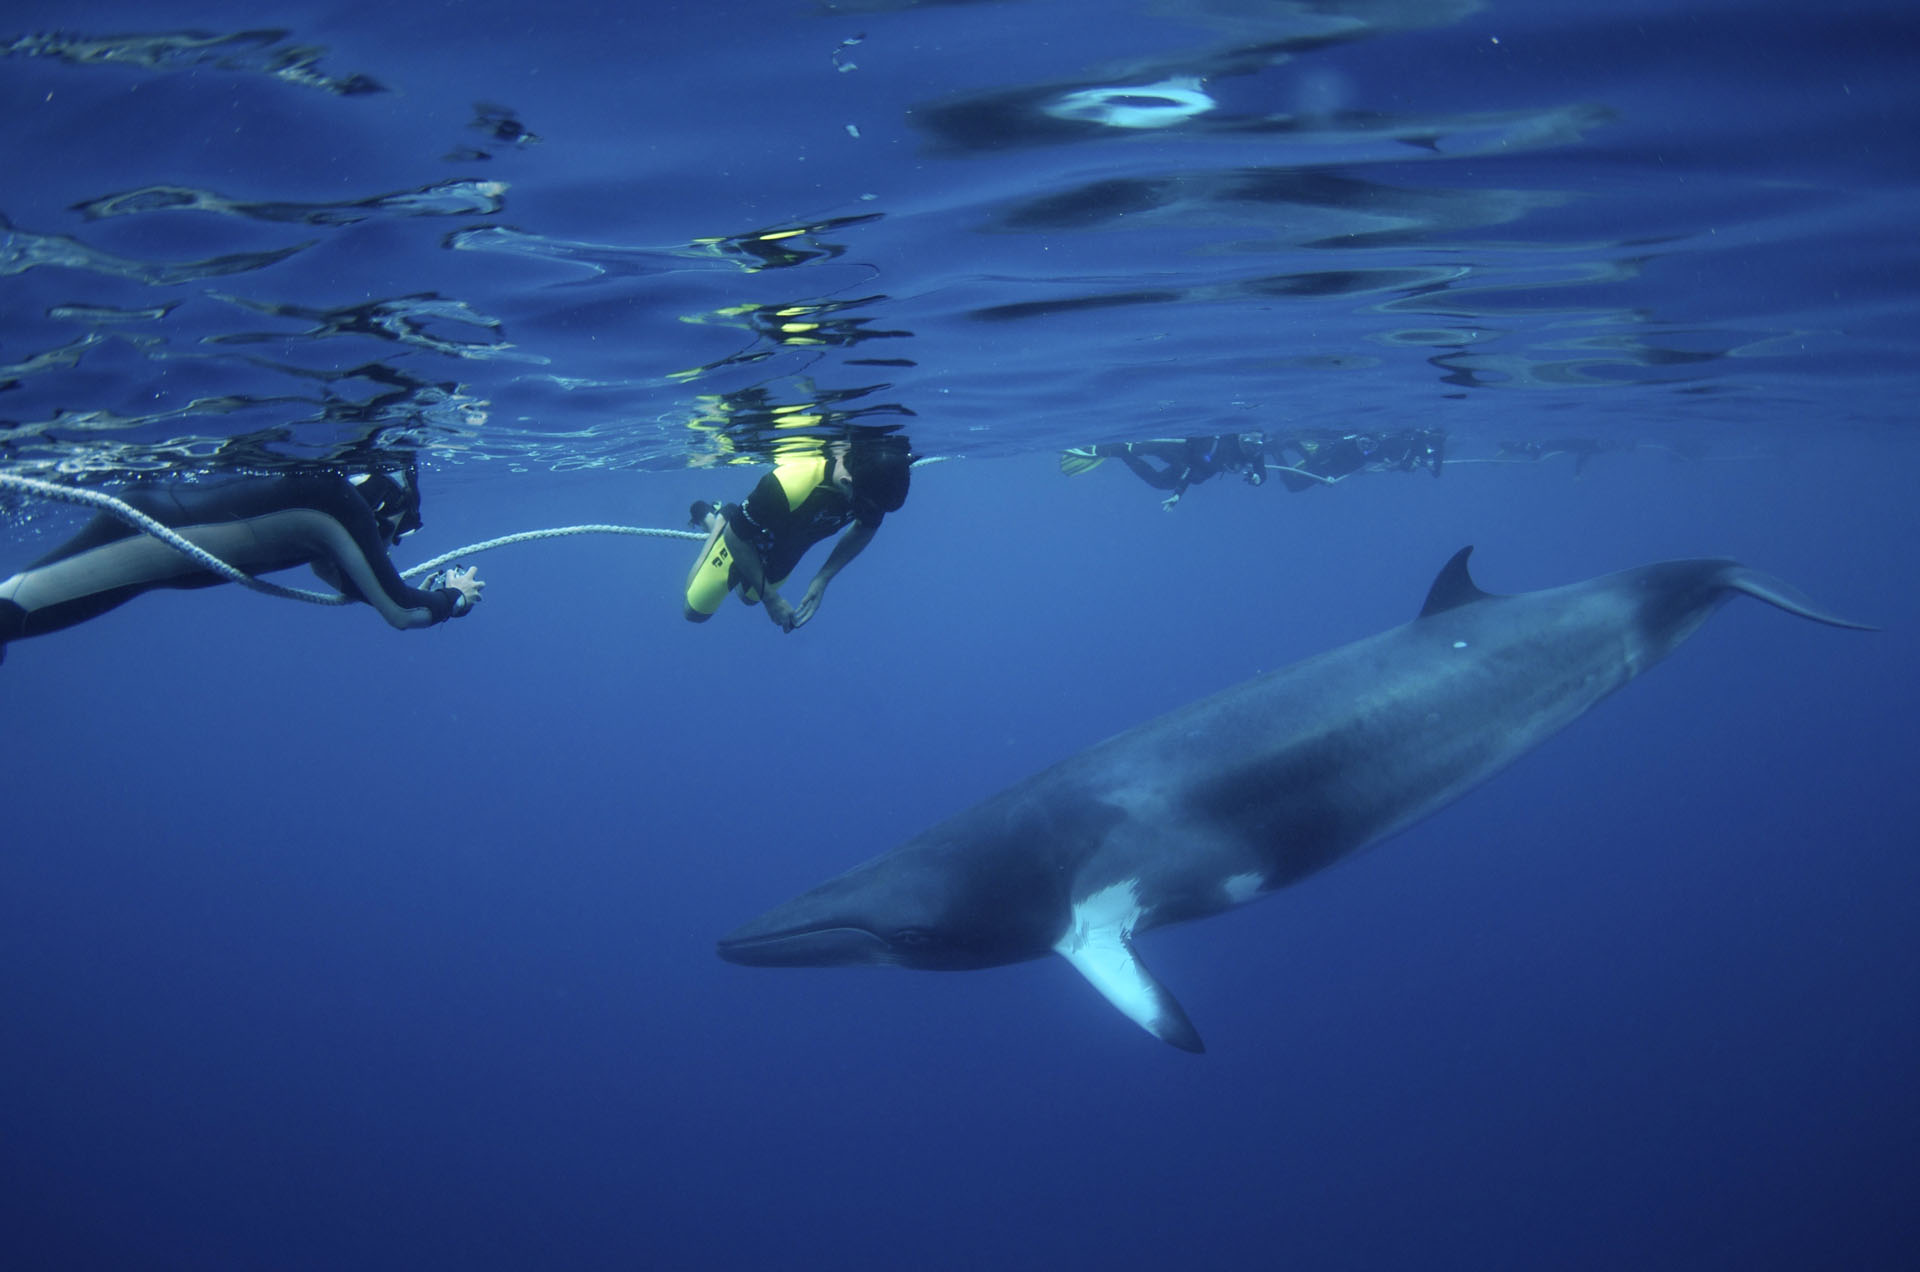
(912, 937)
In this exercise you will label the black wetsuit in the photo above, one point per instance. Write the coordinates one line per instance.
(1332, 456)
(782, 534)
(1187, 460)
(258, 524)
(1328, 457)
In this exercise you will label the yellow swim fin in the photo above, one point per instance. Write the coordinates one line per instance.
(1080, 459)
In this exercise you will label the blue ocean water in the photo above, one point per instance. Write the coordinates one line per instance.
(324, 946)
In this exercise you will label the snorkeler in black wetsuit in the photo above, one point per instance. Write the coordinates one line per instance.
(341, 526)
(1176, 463)
(1306, 460)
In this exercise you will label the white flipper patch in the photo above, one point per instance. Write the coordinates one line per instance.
(1099, 943)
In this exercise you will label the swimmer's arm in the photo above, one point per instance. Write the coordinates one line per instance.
(753, 573)
(362, 569)
(851, 545)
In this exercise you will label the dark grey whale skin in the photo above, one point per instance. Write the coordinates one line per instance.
(1253, 789)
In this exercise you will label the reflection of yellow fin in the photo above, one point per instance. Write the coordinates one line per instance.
(1079, 460)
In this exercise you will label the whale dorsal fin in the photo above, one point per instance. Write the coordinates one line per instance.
(1099, 943)
(1453, 586)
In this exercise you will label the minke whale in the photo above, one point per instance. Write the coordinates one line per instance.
(1225, 800)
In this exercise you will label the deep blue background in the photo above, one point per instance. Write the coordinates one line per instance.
(324, 946)
(329, 947)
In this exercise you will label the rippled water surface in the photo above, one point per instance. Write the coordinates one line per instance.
(627, 240)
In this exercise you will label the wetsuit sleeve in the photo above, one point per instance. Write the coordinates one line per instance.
(364, 571)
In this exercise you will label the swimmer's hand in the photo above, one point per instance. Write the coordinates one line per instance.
(780, 611)
(466, 582)
(816, 592)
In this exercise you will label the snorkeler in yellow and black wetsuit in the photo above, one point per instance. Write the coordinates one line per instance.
(754, 545)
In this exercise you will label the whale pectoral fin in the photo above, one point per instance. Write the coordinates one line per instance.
(1108, 961)
(1099, 944)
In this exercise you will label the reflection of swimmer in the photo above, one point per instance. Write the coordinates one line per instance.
(754, 545)
(340, 526)
(1305, 460)
(782, 247)
(1175, 463)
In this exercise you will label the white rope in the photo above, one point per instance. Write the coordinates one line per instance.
(140, 521)
(426, 567)
(1288, 468)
